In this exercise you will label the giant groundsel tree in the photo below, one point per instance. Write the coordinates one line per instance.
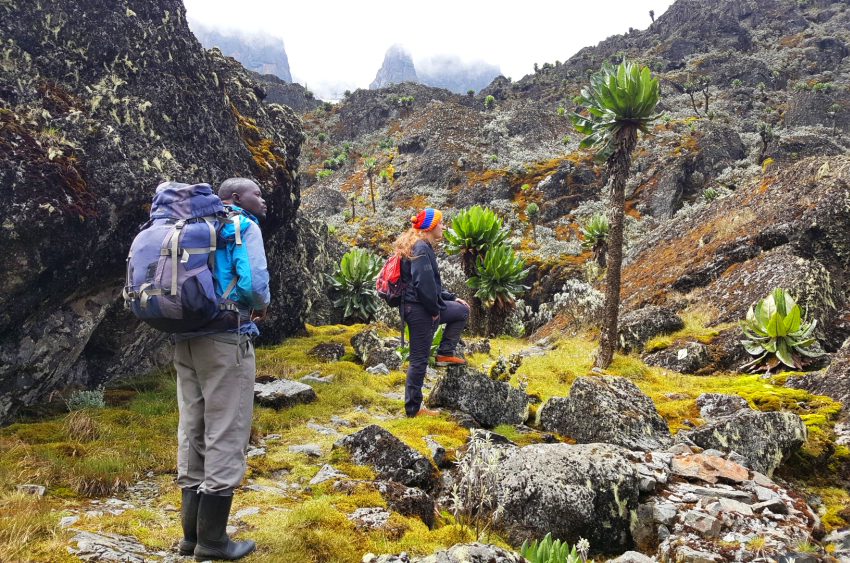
(620, 101)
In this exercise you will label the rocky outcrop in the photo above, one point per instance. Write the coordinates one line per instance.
(391, 458)
(397, 68)
(490, 402)
(584, 490)
(833, 383)
(606, 409)
(765, 439)
(789, 231)
(716, 405)
(636, 328)
(80, 174)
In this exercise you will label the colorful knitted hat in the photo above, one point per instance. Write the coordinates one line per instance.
(426, 219)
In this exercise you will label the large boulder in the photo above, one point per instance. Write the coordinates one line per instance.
(81, 154)
(606, 409)
(458, 553)
(570, 491)
(392, 459)
(636, 328)
(386, 356)
(490, 402)
(765, 439)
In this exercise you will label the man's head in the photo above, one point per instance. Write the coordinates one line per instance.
(244, 193)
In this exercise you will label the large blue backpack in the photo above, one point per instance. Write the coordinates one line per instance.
(171, 262)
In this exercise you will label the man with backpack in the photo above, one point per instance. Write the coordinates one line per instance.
(215, 381)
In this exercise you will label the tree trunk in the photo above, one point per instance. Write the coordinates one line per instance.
(372, 193)
(476, 309)
(618, 171)
(496, 318)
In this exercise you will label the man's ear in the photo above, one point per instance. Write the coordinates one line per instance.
(236, 197)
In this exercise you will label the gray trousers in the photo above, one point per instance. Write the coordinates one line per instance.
(215, 396)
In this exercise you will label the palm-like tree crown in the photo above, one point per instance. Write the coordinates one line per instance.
(619, 97)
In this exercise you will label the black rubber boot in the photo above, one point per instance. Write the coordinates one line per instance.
(213, 542)
(189, 519)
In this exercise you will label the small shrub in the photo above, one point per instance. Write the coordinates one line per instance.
(346, 93)
(324, 173)
(80, 400)
(489, 101)
(561, 111)
(327, 106)
(566, 139)
(388, 144)
(321, 137)
(494, 157)
(525, 187)
(354, 282)
(736, 83)
(470, 92)
(709, 194)
(308, 94)
(760, 86)
(595, 233)
(777, 334)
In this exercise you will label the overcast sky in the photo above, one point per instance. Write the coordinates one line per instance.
(340, 45)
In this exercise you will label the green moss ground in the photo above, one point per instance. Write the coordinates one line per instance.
(92, 453)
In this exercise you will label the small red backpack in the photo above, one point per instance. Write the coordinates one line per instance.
(388, 284)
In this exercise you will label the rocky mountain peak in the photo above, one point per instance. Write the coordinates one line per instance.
(258, 52)
(397, 68)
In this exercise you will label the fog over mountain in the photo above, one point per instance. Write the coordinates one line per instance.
(439, 71)
(258, 52)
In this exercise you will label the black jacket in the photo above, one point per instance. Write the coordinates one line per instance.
(422, 277)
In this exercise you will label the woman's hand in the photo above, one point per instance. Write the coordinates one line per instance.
(435, 317)
(462, 302)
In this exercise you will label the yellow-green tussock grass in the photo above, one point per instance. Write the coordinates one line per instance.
(697, 319)
(29, 530)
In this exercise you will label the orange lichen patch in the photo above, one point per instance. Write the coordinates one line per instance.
(266, 162)
(356, 181)
(411, 202)
(395, 127)
(791, 40)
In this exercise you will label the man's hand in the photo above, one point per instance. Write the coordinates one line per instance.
(258, 315)
(462, 302)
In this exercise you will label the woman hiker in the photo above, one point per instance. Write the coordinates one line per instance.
(426, 304)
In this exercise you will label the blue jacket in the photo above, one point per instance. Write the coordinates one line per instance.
(248, 262)
(422, 277)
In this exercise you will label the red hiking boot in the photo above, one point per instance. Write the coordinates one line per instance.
(425, 412)
(442, 361)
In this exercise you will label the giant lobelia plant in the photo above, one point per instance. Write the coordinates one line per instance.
(354, 283)
(595, 233)
(776, 334)
(498, 283)
(472, 233)
(619, 102)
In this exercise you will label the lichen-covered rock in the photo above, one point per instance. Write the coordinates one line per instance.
(717, 405)
(392, 459)
(490, 402)
(283, 393)
(570, 491)
(407, 501)
(681, 357)
(328, 351)
(765, 439)
(386, 356)
(707, 468)
(636, 328)
(606, 409)
(365, 341)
